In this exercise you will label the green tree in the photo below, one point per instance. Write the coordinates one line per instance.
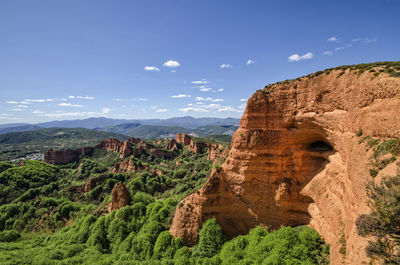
(384, 221)
(211, 239)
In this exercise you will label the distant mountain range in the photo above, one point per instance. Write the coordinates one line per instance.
(184, 124)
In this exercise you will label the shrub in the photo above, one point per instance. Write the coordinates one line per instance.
(384, 221)
(9, 235)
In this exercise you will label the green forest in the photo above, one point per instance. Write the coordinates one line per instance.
(45, 219)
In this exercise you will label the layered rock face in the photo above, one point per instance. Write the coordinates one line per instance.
(60, 157)
(67, 156)
(295, 160)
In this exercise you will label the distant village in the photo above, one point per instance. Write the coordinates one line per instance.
(35, 156)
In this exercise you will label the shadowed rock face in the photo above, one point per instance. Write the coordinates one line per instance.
(296, 160)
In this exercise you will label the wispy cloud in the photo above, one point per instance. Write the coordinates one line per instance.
(220, 89)
(12, 102)
(70, 105)
(119, 99)
(193, 109)
(212, 107)
(243, 99)
(329, 53)
(225, 66)
(206, 89)
(36, 111)
(6, 116)
(295, 57)
(171, 64)
(17, 109)
(203, 99)
(209, 99)
(332, 39)
(151, 68)
(181, 96)
(105, 110)
(142, 99)
(39, 100)
(200, 82)
(249, 61)
(365, 40)
(80, 97)
(161, 110)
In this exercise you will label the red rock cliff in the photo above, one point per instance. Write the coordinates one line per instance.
(296, 160)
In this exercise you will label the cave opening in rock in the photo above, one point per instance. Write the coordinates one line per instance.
(320, 146)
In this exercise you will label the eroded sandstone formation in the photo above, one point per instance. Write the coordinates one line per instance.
(120, 196)
(214, 151)
(183, 139)
(296, 160)
(113, 145)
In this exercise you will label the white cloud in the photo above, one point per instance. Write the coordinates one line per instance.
(368, 40)
(171, 64)
(243, 99)
(295, 57)
(6, 116)
(227, 108)
(339, 48)
(69, 105)
(217, 100)
(142, 99)
(220, 89)
(249, 61)
(36, 111)
(119, 99)
(205, 89)
(242, 106)
(71, 96)
(212, 107)
(225, 66)
(365, 40)
(203, 99)
(332, 39)
(173, 71)
(64, 114)
(36, 100)
(22, 106)
(105, 110)
(193, 109)
(161, 110)
(151, 68)
(24, 102)
(329, 53)
(17, 109)
(181, 96)
(200, 82)
(84, 97)
(12, 102)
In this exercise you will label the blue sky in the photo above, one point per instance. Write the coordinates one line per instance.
(161, 59)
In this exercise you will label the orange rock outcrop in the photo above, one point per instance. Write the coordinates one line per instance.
(67, 156)
(296, 160)
(120, 196)
(183, 139)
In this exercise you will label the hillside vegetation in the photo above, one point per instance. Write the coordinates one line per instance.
(46, 218)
